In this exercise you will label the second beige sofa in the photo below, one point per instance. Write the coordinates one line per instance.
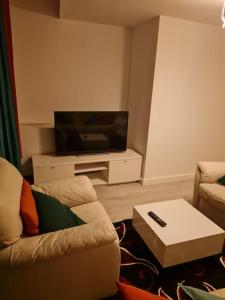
(209, 196)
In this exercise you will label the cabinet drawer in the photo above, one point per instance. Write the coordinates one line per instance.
(44, 174)
(125, 170)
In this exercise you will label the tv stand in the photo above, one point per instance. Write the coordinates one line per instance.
(107, 168)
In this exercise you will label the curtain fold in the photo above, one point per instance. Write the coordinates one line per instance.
(9, 131)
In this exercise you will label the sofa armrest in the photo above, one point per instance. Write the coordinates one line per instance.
(70, 191)
(50, 246)
(210, 171)
(196, 198)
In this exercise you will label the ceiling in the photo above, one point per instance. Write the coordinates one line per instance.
(130, 13)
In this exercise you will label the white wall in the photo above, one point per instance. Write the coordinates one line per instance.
(144, 43)
(64, 65)
(187, 120)
(176, 100)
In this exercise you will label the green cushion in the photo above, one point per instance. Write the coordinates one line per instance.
(221, 180)
(197, 294)
(54, 215)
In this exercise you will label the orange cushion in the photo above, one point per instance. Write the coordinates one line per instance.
(130, 292)
(28, 210)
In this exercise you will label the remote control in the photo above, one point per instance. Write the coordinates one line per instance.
(156, 218)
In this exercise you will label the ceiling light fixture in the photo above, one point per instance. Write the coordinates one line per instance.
(223, 15)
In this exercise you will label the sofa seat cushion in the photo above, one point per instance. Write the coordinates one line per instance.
(10, 192)
(213, 193)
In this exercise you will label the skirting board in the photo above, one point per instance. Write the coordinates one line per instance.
(167, 179)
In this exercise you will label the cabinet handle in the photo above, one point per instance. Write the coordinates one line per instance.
(125, 160)
(52, 167)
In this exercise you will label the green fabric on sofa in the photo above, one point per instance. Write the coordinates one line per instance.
(221, 180)
(54, 215)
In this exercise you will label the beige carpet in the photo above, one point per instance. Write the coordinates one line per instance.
(119, 199)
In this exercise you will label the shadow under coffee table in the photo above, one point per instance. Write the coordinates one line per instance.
(188, 235)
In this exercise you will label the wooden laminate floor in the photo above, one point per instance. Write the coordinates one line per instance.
(119, 199)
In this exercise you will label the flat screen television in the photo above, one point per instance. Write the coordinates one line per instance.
(80, 132)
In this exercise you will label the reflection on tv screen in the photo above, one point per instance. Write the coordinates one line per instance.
(90, 132)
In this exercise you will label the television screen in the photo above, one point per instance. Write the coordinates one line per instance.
(90, 132)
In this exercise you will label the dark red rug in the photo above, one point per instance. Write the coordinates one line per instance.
(140, 268)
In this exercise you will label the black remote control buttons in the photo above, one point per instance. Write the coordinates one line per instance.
(157, 218)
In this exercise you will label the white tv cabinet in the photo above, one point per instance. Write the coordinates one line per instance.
(109, 168)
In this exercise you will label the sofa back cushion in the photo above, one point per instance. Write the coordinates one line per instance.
(10, 192)
(71, 191)
(211, 171)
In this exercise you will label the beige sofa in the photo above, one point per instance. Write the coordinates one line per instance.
(209, 196)
(79, 263)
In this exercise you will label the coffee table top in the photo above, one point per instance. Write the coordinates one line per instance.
(184, 222)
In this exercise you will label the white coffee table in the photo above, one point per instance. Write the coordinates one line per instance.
(188, 235)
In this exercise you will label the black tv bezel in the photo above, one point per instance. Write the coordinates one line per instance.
(89, 151)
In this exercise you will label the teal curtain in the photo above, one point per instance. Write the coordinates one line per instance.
(9, 139)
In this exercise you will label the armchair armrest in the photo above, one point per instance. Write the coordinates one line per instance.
(211, 171)
(50, 246)
(70, 191)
